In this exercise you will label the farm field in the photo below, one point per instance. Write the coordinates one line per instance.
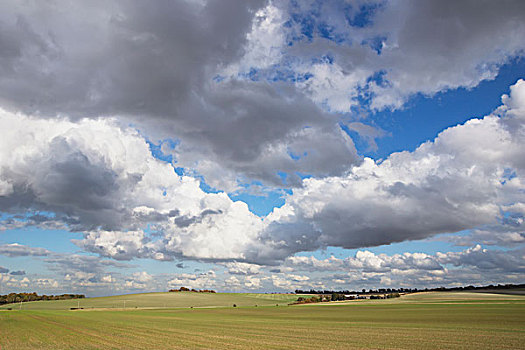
(161, 300)
(418, 321)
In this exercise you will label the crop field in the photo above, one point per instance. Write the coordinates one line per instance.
(418, 321)
(161, 300)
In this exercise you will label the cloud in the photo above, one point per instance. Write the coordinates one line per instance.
(232, 283)
(155, 66)
(71, 273)
(17, 273)
(205, 280)
(378, 54)
(142, 277)
(107, 279)
(293, 282)
(474, 265)
(240, 268)
(101, 179)
(46, 283)
(3, 270)
(16, 283)
(365, 269)
(431, 38)
(17, 221)
(369, 133)
(367, 261)
(493, 235)
(86, 264)
(256, 127)
(139, 280)
(177, 70)
(485, 259)
(92, 77)
(464, 179)
(15, 249)
(252, 282)
(241, 98)
(116, 244)
(458, 181)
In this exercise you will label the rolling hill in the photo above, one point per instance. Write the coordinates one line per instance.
(161, 300)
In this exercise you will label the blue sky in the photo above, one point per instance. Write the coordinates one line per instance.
(283, 145)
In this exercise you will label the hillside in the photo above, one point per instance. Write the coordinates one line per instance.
(161, 300)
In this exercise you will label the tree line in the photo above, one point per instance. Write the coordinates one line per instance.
(25, 297)
(340, 296)
(184, 289)
(363, 291)
(412, 290)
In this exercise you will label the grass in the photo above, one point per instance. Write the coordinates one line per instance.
(162, 300)
(419, 321)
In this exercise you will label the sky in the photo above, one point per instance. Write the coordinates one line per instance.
(261, 146)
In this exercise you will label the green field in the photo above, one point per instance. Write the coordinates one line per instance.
(418, 321)
(161, 300)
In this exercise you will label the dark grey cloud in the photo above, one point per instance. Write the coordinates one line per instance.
(154, 64)
(62, 222)
(185, 221)
(17, 273)
(73, 181)
(255, 128)
(120, 57)
(82, 192)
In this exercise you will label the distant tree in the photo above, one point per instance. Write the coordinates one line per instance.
(25, 297)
